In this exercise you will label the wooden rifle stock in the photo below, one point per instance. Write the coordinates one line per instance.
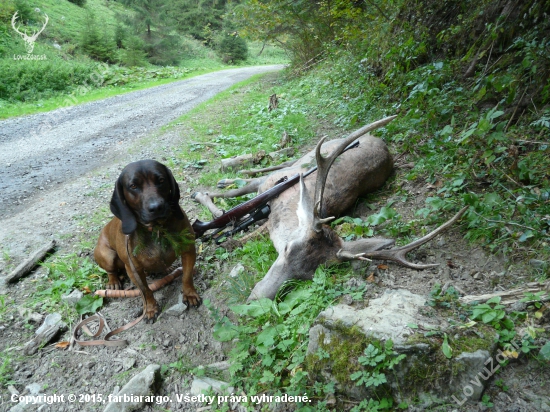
(245, 208)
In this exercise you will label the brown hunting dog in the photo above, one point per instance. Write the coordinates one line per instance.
(145, 203)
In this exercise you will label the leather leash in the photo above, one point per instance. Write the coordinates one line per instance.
(102, 322)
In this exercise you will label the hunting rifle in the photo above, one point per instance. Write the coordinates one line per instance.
(242, 216)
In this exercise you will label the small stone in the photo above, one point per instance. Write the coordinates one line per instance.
(236, 271)
(138, 388)
(205, 384)
(538, 264)
(73, 297)
(12, 390)
(128, 363)
(34, 388)
(221, 366)
(176, 310)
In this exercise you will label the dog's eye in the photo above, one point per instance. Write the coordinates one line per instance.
(133, 187)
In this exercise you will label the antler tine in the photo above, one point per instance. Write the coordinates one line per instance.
(13, 20)
(324, 164)
(399, 254)
(43, 27)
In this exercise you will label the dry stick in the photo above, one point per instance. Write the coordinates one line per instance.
(505, 174)
(515, 110)
(32, 346)
(253, 172)
(26, 266)
(205, 143)
(488, 58)
(132, 293)
(508, 296)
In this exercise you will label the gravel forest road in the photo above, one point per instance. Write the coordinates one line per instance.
(43, 150)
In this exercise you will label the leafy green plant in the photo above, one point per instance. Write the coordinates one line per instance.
(6, 371)
(88, 304)
(446, 348)
(274, 334)
(446, 299)
(486, 400)
(66, 273)
(492, 313)
(363, 228)
(376, 359)
(374, 405)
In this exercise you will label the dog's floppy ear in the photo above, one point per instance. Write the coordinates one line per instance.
(174, 195)
(121, 210)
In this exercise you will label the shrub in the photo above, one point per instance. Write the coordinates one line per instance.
(132, 55)
(99, 47)
(80, 3)
(29, 80)
(232, 48)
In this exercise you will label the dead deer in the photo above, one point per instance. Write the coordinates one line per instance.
(297, 223)
(29, 40)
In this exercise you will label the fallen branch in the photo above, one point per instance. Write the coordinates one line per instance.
(132, 293)
(28, 265)
(42, 339)
(508, 296)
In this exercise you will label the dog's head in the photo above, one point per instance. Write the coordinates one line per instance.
(145, 192)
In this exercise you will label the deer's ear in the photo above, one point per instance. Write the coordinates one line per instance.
(304, 209)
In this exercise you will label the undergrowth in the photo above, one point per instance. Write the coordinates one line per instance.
(270, 337)
(63, 275)
(469, 155)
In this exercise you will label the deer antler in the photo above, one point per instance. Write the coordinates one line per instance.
(349, 249)
(324, 164)
(29, 40)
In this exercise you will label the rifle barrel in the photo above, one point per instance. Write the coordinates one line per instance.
(243, 209)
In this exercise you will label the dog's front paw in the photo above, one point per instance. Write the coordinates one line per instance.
(151, 313)
(114, 282)
(192, 298)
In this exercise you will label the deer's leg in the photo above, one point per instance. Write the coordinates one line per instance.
(205, 199)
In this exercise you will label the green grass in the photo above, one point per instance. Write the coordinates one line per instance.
(66, 273)
(8, 110)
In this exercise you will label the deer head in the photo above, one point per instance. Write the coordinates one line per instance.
(29, 40)
(313, 243)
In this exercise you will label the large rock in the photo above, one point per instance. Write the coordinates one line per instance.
(133, 395)
(342, 333)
